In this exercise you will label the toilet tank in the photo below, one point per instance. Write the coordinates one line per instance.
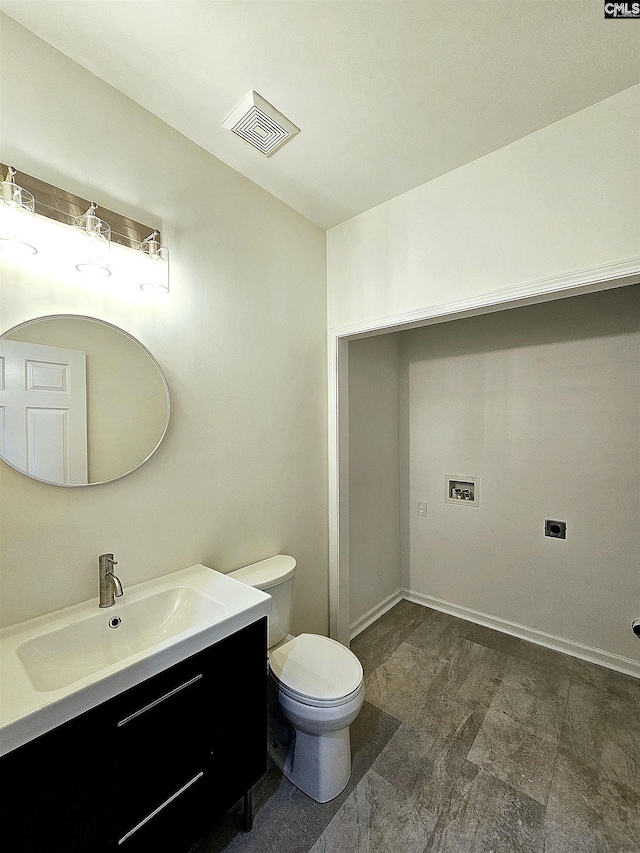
(274, 576)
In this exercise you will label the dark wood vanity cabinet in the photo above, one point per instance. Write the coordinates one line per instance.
(150, 769)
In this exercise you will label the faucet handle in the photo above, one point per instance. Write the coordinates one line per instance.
(107, 559)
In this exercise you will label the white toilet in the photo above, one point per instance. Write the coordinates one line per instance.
(315, 684)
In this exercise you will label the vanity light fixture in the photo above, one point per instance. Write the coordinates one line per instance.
(100, 244)
(17, 206)
(96, 244)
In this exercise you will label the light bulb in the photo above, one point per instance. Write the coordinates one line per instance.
(17, 209)
(97, 244)
(156, 273)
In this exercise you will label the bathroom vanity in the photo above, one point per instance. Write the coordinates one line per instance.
(147, 765)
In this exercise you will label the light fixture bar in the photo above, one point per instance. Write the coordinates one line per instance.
(65, 207)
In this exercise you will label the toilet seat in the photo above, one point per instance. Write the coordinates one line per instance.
(312, 701)
(316, 671)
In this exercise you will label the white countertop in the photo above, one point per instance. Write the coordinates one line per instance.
(27, 712)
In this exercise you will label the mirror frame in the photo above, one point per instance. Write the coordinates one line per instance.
(149, 354)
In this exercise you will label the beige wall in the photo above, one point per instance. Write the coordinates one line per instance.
(559, 200)
(374, 473)
(241, 474)
(543, 405)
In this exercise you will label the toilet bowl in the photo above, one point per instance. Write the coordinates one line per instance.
(316, 690)
(319, 688)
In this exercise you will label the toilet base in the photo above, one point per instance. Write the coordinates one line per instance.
(319, 764)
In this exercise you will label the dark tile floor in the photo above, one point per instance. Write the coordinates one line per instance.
(469, 741)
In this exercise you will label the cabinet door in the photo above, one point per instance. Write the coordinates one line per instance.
(53, 793)
(241, 750)
(161, 737)
(190, 743)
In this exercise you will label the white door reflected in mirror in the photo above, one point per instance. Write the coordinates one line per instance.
(44, 411)
(81, 401)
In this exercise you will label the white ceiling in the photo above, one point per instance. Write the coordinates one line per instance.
(388, 94)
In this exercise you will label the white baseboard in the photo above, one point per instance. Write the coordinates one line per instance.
(375, 613)
(560, 644)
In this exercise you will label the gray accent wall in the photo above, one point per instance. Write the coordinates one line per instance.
(543, 405)
(374, 472)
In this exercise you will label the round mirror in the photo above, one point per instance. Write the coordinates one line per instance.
(81, 401)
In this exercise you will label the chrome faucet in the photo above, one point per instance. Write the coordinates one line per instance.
(110, 586)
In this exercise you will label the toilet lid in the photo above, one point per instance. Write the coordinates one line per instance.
(316, 666)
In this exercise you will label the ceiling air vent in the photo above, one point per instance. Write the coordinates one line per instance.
(260, 124)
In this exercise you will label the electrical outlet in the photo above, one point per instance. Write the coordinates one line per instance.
(422, 509)
(555, 529)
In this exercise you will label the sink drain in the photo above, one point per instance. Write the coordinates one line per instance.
(113, 623)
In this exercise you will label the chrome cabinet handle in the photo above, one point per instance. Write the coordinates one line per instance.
(160, 699)
(160, 807)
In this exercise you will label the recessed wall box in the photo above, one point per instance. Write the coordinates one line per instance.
(555, 529)
(462, 490)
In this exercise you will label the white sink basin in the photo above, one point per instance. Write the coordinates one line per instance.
(57, 666)
(67, 654)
